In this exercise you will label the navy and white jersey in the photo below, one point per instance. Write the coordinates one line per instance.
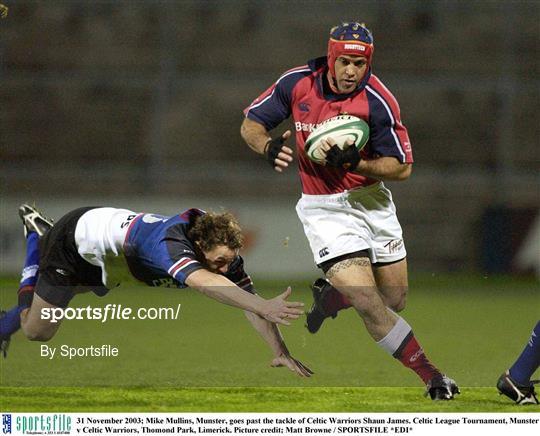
(156, 248)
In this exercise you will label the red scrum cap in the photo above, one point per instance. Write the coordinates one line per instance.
(352, 39)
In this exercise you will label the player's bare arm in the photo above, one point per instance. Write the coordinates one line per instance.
(384, 168)
(272, 336)
(220, 288)
(257, 138)
(255, 135)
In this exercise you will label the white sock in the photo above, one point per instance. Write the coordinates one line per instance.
(395, 337)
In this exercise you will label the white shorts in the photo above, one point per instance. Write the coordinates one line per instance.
(361, 219)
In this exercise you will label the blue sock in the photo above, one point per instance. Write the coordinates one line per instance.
(11, 322)
(529, 360)
(29, 273)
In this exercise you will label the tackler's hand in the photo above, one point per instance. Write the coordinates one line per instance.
(277, 153)
(278, 310)
(293, 364)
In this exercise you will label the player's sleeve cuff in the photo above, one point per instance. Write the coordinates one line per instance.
(254, 117)
(182, 268)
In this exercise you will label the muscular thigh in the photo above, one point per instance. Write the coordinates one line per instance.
(392, 282)
(33, 323)
(351, 273)
(354, 278)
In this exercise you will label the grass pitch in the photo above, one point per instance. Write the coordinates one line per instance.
(276, 400)
(211, 360)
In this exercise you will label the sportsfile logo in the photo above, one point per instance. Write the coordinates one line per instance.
(38, 424)
(110, 312)
(354, 47)
(6, 423)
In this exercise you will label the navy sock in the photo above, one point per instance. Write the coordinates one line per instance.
(11, 322)
(529, 359)
(30, 271)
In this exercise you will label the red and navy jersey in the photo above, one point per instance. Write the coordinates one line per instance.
(159, 252)
(303, 92)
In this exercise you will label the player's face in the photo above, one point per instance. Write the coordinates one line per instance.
(349, 72)
(219, 258)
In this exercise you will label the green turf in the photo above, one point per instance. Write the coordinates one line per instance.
(472, 327)
(380, 399)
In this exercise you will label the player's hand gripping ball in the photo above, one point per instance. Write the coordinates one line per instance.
(342, 129)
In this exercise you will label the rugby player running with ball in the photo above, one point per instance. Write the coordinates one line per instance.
(348, 214)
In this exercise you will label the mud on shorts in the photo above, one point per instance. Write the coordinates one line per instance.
(348, 222)
(61, 269)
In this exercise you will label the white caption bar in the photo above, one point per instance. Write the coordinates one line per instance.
(424, 424)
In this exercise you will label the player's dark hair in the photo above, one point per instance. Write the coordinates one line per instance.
(213, 229)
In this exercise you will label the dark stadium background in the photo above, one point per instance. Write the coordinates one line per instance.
(123, 99)
(139, 104)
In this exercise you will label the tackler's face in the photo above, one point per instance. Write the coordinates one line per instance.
(219, 258)
(350, 71)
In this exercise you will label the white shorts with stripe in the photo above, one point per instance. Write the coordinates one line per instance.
(360, 219)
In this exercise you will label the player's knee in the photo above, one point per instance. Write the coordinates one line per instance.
(37, 335)
(397, 301)
(399, 304)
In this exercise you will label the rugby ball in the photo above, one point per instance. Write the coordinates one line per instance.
(341, 129)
